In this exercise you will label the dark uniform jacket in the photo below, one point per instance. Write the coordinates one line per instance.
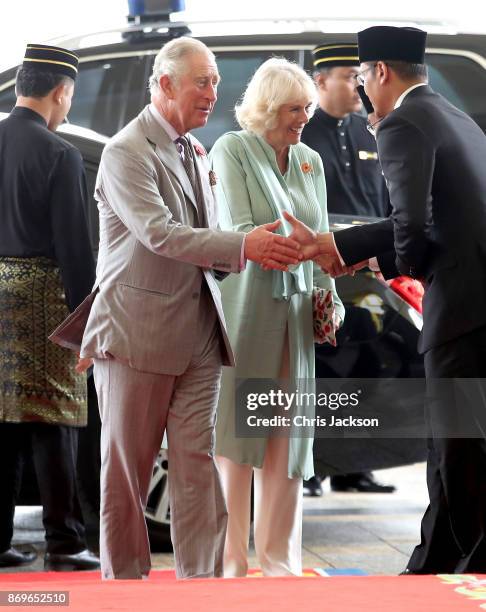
(433, 158)
(355, 184)
(43, 196)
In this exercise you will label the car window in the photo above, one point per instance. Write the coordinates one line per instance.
(462, 81)
(236, 68)
(108, 94)
(7, 99)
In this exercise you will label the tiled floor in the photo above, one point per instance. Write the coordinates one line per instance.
(375, 533)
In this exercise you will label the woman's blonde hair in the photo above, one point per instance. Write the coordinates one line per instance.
(276, 82)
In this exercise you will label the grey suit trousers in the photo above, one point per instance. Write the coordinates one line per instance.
(136, 408)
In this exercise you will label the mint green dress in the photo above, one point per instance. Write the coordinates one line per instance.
(259, 306)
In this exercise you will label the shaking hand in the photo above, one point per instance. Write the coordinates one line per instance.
(270, 250)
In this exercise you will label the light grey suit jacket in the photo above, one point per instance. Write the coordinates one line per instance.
(155, 253)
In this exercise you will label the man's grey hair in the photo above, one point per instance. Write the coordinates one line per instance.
(171, 59)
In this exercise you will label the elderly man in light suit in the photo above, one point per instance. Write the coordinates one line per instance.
(154, 325)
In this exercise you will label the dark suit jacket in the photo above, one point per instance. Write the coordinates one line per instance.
(434, 161)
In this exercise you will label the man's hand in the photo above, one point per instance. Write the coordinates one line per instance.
(270, 250)
(360, 265)
(306, 237)
(313, 244)
(83, 364)
(326, 244)
(332, 265)
(319, 247)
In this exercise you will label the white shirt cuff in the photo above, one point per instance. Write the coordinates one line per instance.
(242, 255)
(373, 264)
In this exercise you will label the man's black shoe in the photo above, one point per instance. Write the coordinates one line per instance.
(84, 560)
(13, 557)
(312, 487)
(359, 483)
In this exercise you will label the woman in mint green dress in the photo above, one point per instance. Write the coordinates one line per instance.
(261, 172)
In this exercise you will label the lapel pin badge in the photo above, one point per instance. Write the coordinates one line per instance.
(200, 150)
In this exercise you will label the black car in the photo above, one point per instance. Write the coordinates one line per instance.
(115, 66)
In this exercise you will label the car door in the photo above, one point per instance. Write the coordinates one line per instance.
(460, 76)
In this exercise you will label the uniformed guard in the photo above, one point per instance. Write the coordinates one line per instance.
(46, 270)
(355, 186)
(338, 133)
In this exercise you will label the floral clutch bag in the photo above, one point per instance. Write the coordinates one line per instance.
(323, 315)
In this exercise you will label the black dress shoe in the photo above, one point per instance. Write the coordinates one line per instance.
(312, 487)
(84, 560)
(13, 557)
(359, 483)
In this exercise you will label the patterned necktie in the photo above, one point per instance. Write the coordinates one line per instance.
(188, 163)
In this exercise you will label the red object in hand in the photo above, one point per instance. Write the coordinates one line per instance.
(409, 289)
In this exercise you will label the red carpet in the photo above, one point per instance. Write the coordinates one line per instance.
(337, 594)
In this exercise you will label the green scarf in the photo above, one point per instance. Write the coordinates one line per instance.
(284, 284)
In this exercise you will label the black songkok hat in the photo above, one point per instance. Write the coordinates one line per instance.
(391, 43)
(51, 59)
(335, 54)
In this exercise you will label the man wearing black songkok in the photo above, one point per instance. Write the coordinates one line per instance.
(432, 156)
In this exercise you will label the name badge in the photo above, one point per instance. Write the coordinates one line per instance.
(368, 155)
